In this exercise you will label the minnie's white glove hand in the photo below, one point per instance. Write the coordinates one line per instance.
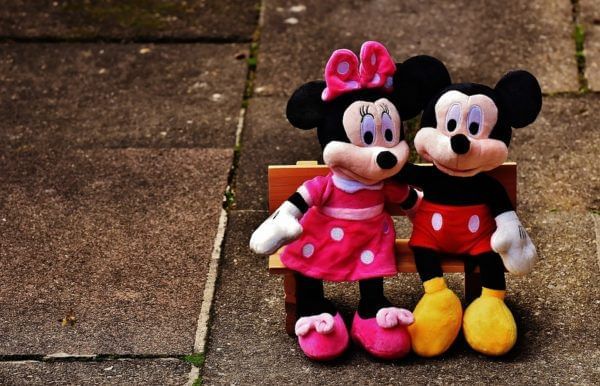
(513, 244)
(280, 228)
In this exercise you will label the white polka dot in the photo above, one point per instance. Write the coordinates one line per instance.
(367, 257)
(437, 221)
(353, 84)
(386, 227)
(343, 67)
(308, 250)
(337, 234)
(474, 223)
(376, 78)
(373, 59)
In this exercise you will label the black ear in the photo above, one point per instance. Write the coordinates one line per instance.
(416, 81)
(521, 96)
(306, 109)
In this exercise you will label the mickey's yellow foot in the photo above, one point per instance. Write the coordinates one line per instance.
(438, 317)
(488, 325)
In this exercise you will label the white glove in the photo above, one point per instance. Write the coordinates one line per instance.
(280, 228)
(513, 244)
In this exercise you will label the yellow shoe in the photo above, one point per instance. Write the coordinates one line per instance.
(488, 325)
(438, 317)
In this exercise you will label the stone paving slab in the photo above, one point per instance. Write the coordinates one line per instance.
(590, 18)
(111, 95)
(556, 310)
(120, 239)
(137, 19)
(114, 372)
(558, 162)
(268, 139)
(478, 41)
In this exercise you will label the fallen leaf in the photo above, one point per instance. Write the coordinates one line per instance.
(69, 320)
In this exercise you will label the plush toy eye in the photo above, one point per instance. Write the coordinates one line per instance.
(367, 129)
(474, 120)
(387, 127)
(452, 117)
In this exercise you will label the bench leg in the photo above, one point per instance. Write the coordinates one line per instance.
(289, 285)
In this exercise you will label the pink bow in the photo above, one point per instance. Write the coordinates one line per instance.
(392, 316)
(344, 74)
(322, 323)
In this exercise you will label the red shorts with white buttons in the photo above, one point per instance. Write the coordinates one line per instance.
(453, 229)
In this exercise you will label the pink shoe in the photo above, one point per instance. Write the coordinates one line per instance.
(322, 337)
(384, 336)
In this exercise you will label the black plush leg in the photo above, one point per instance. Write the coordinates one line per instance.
(428, 263)
(372, 298)
(492, 270)
(311, 297)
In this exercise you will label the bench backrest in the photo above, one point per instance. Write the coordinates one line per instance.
(285, 179)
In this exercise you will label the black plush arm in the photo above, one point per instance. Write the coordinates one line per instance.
(497, 198)
(413, 175)
(411, 199)
(298, 201)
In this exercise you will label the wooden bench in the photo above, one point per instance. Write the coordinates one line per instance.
(285, 179)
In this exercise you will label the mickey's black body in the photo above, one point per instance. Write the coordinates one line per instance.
(458, 191)
(441, 188)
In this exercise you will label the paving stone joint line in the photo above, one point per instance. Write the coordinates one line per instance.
(229, 201)
(64, 357)
(252, 62)
(138, 39)
(209, 287)
(596, 220)
(579, 37)
(556, 94)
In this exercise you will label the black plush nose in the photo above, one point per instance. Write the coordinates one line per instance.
(460, 144)
(386, 160)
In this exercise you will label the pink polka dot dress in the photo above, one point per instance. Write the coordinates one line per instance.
(347, 235)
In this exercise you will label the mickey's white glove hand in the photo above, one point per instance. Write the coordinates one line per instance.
(280, 228)
(513, 244)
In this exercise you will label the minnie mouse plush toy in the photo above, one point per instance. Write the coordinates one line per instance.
(336, 225)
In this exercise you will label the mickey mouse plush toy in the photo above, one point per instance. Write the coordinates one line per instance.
(336, 224)
(465, 131)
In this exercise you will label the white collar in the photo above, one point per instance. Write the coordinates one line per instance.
(351, 186)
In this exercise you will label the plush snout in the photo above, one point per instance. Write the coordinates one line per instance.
(459, 155)
(368, 165)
